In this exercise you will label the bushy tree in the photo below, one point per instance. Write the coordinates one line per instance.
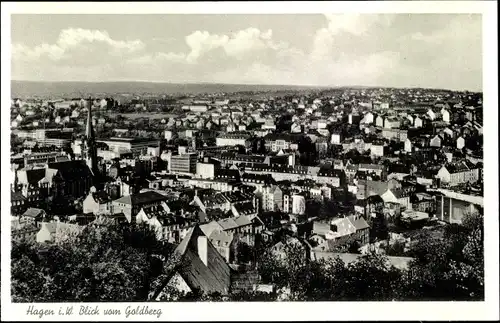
(379, 228)
(396, 249)
(371, 278)
(451, 268)
(126, 263)
(109, 262)
(244, 253)
(281, 266)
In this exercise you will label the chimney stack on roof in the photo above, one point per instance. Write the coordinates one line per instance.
(203, 249)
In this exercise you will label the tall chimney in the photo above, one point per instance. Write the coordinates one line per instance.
(203, 249)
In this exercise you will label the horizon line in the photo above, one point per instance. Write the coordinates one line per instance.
(255, 84)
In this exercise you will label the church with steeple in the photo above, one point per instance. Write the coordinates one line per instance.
(89, 149)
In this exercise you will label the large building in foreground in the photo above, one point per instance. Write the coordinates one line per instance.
(205, 270)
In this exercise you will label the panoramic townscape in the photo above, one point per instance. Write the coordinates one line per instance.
(219, 184)
(249, 195)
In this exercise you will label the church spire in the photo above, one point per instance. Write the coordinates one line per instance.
(89, 132)
(90, 148)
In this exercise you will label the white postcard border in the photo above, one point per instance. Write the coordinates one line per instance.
(486, 310)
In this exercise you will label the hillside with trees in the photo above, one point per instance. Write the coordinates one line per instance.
(125, 263)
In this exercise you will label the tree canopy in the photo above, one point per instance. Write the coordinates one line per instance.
(103, 263)
(115, 262)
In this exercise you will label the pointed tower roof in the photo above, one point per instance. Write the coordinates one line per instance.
(90, 148)
(89, 132)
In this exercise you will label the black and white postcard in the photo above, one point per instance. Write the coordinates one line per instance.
(249, 161)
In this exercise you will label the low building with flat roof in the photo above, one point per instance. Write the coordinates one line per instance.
(135, 145)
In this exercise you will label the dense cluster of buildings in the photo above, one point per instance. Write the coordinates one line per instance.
(222, 174)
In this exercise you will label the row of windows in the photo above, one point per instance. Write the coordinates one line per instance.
(218, 243)
(246, 229)
(29, 199)
(174, 227)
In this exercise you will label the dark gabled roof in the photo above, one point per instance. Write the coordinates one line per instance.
(171, 219)
(374, 199)
(213, 277)
(399, 168)
(73, 169)
(35, 175)
(148, 197)
(178, 205)
(457, 168)
(281, 136)
(469, 164)
(142, 198)
(399, 193)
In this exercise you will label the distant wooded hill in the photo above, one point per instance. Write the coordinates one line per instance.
(74, 89)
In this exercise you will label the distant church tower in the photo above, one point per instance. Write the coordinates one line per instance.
(89, 151)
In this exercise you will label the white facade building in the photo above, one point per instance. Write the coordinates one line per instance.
(298, 204)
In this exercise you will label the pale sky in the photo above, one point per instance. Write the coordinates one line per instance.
(400, 50)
